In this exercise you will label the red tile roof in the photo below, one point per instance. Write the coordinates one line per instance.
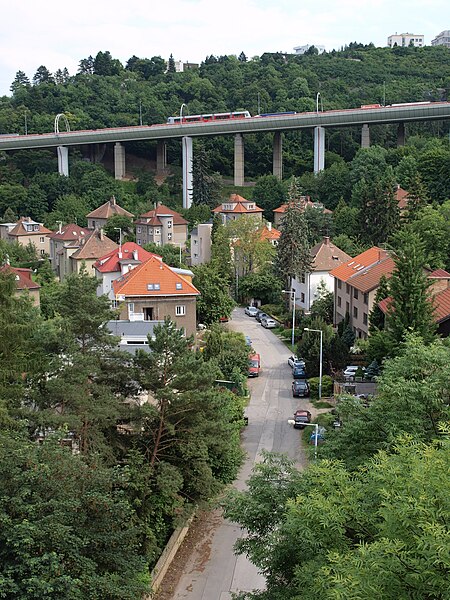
(151, 217)
(240, 206)
(70, 232)
(20, 228)
(108, 209)
(153, 273)
(270, 234)
(22, 276)
(441, 302)
(401, 196)
(110, 263)
(439, 274)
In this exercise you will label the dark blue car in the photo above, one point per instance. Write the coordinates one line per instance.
(299, 373)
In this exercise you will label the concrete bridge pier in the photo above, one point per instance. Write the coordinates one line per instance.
(63, 160)
(239, 159)
(319, 149)
(161, 157)
(278, 154)
(401, 134)
(119, 161)
(187, 171)
(365, 136)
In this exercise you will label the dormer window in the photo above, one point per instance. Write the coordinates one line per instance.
(250, 207)
(153, 286)
(179, 286)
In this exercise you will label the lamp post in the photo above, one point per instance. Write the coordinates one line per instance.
(317, 102)
(316, 433)
(320, 358)
(181, 110)
(292, 292)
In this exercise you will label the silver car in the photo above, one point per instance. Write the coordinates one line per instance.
(251, 311)
(269, 323)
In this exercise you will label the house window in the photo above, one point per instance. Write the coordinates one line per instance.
(139, 230)
(355, 312)
(180, 311)
(139, 241)
(169, 236)
(302, 278)
(42, 240)
(339, 284)
(157, 232)
(302, 297)
(347, 288)
(339, 301)
(366, 298)
(179, 286)
(355, 293)
(130, 307)
(42, 252)
(153, 286)
(169, 224)
(347, 308)
(365, 318)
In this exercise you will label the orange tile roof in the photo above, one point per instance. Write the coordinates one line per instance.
(270, 234)
(439, 274)
(240, 207)
(151, 216)
(401, 196)
(441, 303)
(110, 263)
(153, 272)
(365, 270)
(108, 209)
(20, 228)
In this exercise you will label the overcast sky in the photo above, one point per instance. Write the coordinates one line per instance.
(60, 34)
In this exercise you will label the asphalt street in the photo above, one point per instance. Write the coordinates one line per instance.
(213, 571)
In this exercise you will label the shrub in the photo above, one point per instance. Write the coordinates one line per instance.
(327, 386)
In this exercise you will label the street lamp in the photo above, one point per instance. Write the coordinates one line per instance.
(316, 433)
(320, 359)
(181, 111)
(293, 313)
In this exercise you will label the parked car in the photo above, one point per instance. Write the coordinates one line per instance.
(254, 365)
(248, 341)
(300, 388)
(350, 371)
(268, 323)
(260, 315)
(299, 373)
(301, 418)
(294, 361)
(251, 311)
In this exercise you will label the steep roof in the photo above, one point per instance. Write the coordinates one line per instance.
(131, 253)
(271, 234)
(365, 270)
(108, 209)
(152, 216)
(153, 278)
(439, 274)
(401, 196)
(307, 202)
(240, 206)
(326, 256)
(441, 302)
(21, 228)
(22, 277)
(70, 232)
(96, 244)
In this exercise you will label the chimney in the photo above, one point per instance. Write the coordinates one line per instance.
(326, 240)
(113, 200)
(101, 235)
(269, 226)
(60, 227)
(135, 255)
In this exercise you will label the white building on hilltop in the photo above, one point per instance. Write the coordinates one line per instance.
(306, 47)
(406, 39)
(442, 39)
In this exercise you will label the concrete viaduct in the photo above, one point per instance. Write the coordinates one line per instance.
(318, 121)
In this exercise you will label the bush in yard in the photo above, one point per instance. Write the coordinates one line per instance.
(327, 386)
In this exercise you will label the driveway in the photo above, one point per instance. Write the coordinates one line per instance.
(206, 567)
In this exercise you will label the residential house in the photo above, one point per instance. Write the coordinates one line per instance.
(98, 217)
(58, 239)
(305, 202)
(26, 231)
(24, 282)
(355, 286)
(152, 291)
(406, 39)
(442, 39)
(237, 207)
(133, 334)
(201, 244)
(85, 250)
(116, 263)
(439, 296)
(162, 225)
(270, 234)
(325, 256)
